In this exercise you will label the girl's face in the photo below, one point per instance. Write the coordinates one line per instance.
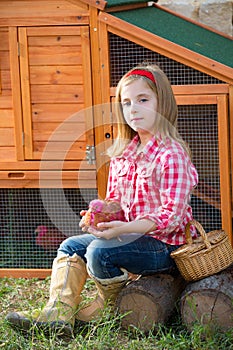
(139, 105)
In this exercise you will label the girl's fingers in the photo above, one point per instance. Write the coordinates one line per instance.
(104, 224)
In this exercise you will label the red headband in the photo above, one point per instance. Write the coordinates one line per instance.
(143, 73)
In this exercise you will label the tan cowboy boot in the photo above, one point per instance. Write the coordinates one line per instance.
(67, 280)
(108, 290)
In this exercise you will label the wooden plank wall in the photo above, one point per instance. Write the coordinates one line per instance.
(7, 140)
(52, 58)
(45, 77)
(42, 12)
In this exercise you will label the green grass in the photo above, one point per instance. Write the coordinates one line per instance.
(105, 333)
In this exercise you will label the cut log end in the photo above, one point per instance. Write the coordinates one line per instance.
(209, 301)
(149, 301)
(139, 309)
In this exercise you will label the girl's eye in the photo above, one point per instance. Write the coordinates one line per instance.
(126, 104)
(143, 100)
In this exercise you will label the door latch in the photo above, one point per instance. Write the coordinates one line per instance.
(90, 154)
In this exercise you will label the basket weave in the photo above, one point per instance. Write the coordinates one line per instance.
(204, 256)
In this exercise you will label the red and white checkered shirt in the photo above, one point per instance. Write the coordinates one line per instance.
(156, 184)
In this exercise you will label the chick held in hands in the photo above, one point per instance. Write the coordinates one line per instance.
(103, 211)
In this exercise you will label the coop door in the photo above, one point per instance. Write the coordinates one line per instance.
(203, 123)
(56, 92)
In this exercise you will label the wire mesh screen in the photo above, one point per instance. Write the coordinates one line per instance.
(198, 125)
(125, 54)
(30, 235)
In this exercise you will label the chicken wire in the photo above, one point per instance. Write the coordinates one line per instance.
(125, 54)
(29, 234)
(198, 125)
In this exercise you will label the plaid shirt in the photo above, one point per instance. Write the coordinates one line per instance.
(156, 184)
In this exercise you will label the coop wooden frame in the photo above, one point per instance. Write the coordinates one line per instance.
(24, 94)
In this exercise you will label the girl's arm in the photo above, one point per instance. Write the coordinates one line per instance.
(178, 177)
(115, 229)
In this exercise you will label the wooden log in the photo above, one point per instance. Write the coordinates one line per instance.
(149, 300)
(209, 301)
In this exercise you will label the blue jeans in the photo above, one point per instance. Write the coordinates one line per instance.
(138, 254)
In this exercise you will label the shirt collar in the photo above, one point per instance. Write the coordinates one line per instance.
(149, 151)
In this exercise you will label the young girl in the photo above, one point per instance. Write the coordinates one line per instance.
(152, 176)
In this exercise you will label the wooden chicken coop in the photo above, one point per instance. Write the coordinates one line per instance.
(60, 61)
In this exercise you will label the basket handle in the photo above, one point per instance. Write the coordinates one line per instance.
(200, 230)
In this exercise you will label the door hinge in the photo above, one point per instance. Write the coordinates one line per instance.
(90, 154)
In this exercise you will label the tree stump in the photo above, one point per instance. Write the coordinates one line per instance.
(209, 301)
(149, 300)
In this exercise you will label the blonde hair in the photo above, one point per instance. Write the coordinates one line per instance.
(166, 120)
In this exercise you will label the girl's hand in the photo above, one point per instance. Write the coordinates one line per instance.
(108, 230)
(114, 229)
(82, 221)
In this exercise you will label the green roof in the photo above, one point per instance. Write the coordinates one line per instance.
(112, 3)
(180, 31)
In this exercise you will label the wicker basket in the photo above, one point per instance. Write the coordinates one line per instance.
(204, 256)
